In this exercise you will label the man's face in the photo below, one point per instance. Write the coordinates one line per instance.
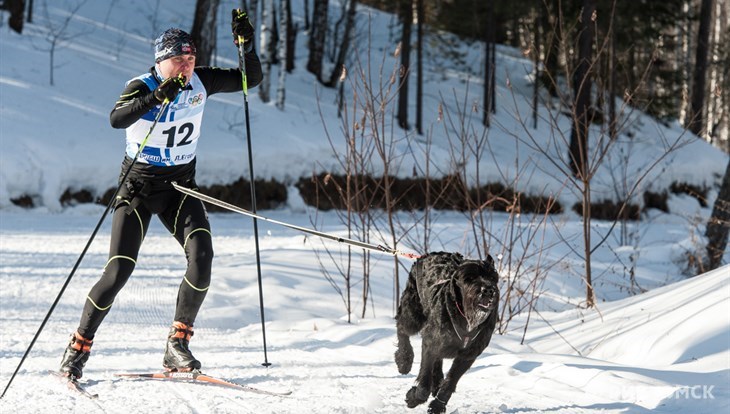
(174, 66)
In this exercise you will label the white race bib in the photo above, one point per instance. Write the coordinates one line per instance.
(174, 139)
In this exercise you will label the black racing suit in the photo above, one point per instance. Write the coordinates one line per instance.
(148, 191)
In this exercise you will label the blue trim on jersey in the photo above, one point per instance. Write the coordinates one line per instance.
(149, 80)
(188, 107)
(151, 115)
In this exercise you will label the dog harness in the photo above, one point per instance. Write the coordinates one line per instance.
(466, 339)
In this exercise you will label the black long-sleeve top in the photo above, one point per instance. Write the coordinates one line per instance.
(137, 98)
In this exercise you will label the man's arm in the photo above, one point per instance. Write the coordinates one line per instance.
(229, 80)
(135, 101)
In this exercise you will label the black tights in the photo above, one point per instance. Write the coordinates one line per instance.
(186, 219)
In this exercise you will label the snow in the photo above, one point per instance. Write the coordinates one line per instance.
(659, 342)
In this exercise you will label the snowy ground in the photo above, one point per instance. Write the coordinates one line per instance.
(664, 351)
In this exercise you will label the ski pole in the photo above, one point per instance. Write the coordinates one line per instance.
(163, 108)
(236, 209)
(244, 81)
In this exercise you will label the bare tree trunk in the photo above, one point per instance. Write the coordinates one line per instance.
(489, 64)
(536, 64)
(552, 30)
(420, 15)
(306, 14)
(317, 38)
(52, 55)
(718, 226)
(578, 156)
(30, 11)
(406, 15)
(204, 30)
(273, 44)
(345, 46)
(16, 8)
(57, 34)
(291, 38)
(696, 117)
(723, 129)
(582, 85)
(612, 118)
(252, 10)
(283, 24)
(264, 87)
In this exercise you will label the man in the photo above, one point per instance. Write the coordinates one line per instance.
(178, 88)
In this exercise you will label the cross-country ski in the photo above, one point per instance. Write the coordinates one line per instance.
(200, 378)
(73, 384)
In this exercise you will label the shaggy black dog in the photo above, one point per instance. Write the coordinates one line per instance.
(453, 303)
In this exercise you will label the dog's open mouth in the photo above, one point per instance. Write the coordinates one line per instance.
(484, 306)
(488, 300)
(488, 304)
(479, 314)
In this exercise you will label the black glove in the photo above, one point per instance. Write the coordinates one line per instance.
(170, 88)
(241, 26)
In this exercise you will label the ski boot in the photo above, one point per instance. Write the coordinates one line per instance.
(177, 354)
(76, 355)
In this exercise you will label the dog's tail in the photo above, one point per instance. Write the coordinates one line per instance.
(404, 354)
(410, 316)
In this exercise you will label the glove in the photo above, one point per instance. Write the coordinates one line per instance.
(170, 88)
(241, 26)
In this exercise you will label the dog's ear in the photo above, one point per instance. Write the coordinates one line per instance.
(489, 261)
(490, 269)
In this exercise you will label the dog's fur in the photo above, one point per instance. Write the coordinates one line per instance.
(453, 303)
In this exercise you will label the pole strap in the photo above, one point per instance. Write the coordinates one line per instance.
(239, 210)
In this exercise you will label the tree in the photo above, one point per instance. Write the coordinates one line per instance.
(489, 64)
(251, 9)
(283, 41)
(696, 121)
(581, 121)
(420, 15)
(718, 226)
(16, 8)
(274, 42)
(57, 33)
(30, 11)
(582, 85)
(317, 38)
(551, 22)
(204, 30)
(406, 14)
(339, 66)
(291, 38)
(267, 23)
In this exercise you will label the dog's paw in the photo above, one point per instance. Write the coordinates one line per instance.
(404, 357)
(416, 396)
(436, 407)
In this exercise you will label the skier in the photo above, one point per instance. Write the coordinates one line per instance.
(168, 156)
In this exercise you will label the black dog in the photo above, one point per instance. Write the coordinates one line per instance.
(453, 303)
